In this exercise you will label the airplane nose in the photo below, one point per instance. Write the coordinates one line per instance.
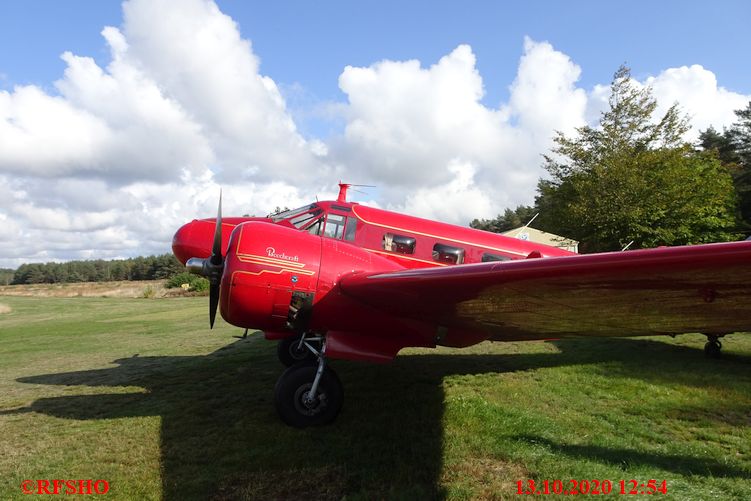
(187, 243)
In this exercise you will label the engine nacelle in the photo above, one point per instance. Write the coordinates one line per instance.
(265, 265)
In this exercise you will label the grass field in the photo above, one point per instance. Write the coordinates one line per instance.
(139, 392)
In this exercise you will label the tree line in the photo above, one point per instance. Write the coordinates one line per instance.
(635, 180)
(6, 276)
(138, 268)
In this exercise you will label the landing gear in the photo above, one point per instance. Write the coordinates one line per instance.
(295, 350)
(308, 394)
(244, 336)
(713, 347)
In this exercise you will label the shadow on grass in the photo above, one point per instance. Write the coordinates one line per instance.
(628, 458)
(221, 439)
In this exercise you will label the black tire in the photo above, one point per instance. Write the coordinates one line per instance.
(289, 354)
(713, 349)
(293, 385)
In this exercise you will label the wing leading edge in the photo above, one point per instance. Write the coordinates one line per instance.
(672, 290)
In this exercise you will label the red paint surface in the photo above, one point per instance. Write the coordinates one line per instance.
(371, 302)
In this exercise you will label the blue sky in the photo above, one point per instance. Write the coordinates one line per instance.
(309, 43)
(446, 107)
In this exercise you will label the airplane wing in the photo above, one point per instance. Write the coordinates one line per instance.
(671, 290)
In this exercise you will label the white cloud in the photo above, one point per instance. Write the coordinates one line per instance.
(460, 198)
(46, 135)
(693, 88)
(408, 127)
(182, 92)
(83, 219)
(122, 154)
(198, 56)
(697, 92)
(544, 96)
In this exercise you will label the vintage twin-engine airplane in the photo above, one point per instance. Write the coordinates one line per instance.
(339, 280)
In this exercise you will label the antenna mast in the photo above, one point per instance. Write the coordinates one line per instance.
(343, 187)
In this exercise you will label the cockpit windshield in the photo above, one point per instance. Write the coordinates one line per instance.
(279, 216)
(302, 220)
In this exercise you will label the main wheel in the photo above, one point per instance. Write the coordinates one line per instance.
(713, 349)
(292, 396)
(290, 352)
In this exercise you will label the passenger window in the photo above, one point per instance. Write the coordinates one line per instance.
(349, 232)
(448, 254)
(488, 257)
(399, 243)
(334, 226)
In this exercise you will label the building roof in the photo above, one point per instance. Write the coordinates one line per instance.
(542, 237)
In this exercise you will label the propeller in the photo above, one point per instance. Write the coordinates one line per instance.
(211, 267)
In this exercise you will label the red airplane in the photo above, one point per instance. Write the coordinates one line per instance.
(340, 280)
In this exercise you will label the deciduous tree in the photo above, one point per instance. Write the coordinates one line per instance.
(633, 178)
(509, 220)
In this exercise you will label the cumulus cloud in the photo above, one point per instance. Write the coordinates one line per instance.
(47, 136)
(699, 95)
(121, 154)
(544, 95)
(459, 197)
(408, 127)
(693, 88)
(82, 219)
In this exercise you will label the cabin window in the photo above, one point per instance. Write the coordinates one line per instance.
(349, 231)
(334, 226)
(448, 254)
(488, 257)
(399, 243)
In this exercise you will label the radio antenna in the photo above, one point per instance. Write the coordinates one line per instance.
(343, 187)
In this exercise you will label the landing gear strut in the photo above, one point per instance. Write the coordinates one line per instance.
(293, 350)
(309, 394)
(713, 347)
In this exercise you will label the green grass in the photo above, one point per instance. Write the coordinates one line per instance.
(139, 392)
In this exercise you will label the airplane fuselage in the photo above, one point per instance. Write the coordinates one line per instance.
(282, 272)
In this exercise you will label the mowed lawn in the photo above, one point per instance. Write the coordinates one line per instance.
(140, 393)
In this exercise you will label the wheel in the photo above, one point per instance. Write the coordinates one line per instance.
(289, 352)
(713, 349)
(292, 390)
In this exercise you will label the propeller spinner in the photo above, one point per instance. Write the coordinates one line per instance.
(211, 267)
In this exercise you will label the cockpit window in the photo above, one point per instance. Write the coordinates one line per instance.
(334, 226)
(315, 228)
(302, 220)
(289, 213)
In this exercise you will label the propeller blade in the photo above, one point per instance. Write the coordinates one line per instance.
(215, 266)
(213, 303)
(216, 249)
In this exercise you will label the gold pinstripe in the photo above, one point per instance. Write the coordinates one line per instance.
(438, 237)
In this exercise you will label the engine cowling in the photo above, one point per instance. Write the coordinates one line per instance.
(265, 265)
(271, 273)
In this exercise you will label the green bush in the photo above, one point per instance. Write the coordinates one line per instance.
(195, 283)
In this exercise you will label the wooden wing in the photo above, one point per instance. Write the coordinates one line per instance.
(672, 290)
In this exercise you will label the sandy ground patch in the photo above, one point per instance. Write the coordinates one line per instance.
(4, 308)
(150, 288)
